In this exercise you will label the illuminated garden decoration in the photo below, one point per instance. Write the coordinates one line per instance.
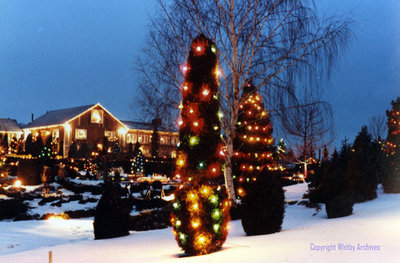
(391, 182)
(137, 165)
(253, 142)
(200, 212)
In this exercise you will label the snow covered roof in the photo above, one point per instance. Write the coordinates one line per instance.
(9, 125)
(58, 117)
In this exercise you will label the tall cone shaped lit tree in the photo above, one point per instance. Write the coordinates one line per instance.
(253, 143)
(200, 212)
(391, 182)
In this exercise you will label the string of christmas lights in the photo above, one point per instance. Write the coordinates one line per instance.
(253, 143)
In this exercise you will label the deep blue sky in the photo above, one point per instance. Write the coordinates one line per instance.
(64, 53)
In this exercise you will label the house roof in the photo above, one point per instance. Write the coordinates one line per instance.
(58, 117)
(136, 125)
(9, 125)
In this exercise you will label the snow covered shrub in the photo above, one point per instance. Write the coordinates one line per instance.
(111, 217)
(263, 206)
(29, 171)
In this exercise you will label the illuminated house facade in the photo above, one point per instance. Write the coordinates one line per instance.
(8, 128)
(90, 124)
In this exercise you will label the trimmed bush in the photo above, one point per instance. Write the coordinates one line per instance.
(341, 205)
(263, 206)
(111, 218)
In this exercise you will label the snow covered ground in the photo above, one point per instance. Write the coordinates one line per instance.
(372, 231)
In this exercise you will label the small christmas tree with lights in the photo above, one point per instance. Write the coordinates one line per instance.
(137, 165)
(391, 182)
(200, 212)
(253, 142)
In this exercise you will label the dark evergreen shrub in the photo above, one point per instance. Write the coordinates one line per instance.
(263, 206)
(338, 194)
(339, 206)
(362, 168)
(154, 219)
(10, 208)
(112, 214)
(29, 171)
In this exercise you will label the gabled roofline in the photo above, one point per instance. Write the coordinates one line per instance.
(97, 104)
(77, 116)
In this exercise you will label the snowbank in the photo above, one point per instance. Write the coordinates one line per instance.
(372, 230)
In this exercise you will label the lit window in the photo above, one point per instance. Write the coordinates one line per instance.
(80, 134)
(110, 135)
(97, 116)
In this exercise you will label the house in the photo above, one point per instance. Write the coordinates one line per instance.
(90, 124)
(9, 128)
(142, 132)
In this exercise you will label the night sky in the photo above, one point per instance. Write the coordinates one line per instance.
(63, 53)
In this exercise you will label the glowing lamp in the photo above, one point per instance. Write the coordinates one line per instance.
(213, 49)
(198, 48)
(18, 183)
(195, 124)
(206, 92)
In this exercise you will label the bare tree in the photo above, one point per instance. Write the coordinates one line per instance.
(272, 43)
(377, 126)
(309, 125)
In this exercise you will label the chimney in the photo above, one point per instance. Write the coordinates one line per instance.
(156, 123)
(32, 117)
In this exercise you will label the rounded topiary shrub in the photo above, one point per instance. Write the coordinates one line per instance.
(111, 217)
(29, 171)
(340, 205)
(200, 217)
(263, 206)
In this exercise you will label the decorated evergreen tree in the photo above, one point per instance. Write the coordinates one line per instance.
(14, 145)
(200, 212)
(391, 181)
(38, 146)
(253, 142)
(137, 165)
(29, 144)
